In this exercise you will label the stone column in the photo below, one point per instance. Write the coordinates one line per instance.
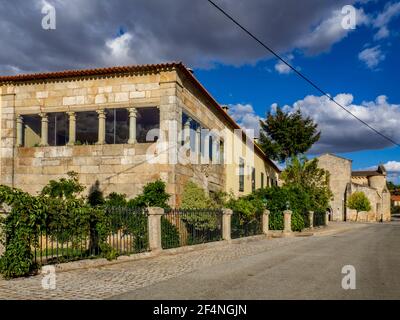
(132, 125)
(154, 228)
(265, 222)
(20, 130)
(186, 132)
(72, 128)
(311, 219)
(287, 221)
(214, 146)
(102, 126)
(45, 130)
(226, 224)
(326, 218)
(198, 144)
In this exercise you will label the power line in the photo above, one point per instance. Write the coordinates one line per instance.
(309, 81)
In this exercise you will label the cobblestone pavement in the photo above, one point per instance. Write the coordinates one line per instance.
(107, 281)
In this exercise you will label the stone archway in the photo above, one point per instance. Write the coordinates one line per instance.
(330, 213)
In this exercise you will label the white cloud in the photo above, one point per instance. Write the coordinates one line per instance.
(245, 116)
(330, 31)
(282, 68)
(382, 20)
(372, 56)
(340, 132)
(392, 166)
(119, 48)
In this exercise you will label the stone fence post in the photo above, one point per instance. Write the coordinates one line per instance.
(154, 228)
(265, 222)
(311, 218)
(226, 224)
(326, 218)
(287, 221)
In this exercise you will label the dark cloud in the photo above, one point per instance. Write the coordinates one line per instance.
(340, 132)
(156, 30)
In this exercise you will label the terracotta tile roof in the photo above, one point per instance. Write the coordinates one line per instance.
(395, 197)
(59, 75)
(90, 72)
(366, 173)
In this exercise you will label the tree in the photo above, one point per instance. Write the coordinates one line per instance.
(284, 135)
(358, 201)
(307, 176)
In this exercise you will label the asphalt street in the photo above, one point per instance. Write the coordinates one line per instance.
(310, 269)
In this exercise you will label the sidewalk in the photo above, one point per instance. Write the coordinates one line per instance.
(332, 228)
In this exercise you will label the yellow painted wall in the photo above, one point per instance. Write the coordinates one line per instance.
(233, 152)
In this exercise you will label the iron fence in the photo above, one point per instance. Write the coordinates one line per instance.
(188, 227)
(319, 219)
(306, 219)
(128, 233)
(244, 226)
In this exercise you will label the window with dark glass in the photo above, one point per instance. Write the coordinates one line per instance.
(58, 129)
(87, 127)
(147, 120)
(117, 126)
(32, 130)
(262, 179)
(241, 175)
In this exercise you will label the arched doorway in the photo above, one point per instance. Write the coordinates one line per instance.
(329, 211)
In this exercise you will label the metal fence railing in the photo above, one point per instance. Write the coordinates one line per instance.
(242, 226)
(128, 233)
(319, 219)
(306, 219)
(188, 227)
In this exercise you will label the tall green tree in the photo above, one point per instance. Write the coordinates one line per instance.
(306, 175)
(284, 135)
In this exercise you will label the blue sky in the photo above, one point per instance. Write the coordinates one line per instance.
(338, 71)
(358, 67)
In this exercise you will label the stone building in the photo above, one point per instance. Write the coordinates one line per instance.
(344, 182)
(124, 127)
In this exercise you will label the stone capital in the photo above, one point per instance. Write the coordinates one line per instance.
(44, 116)
(132, 112)
(227, 211)
(156, 211)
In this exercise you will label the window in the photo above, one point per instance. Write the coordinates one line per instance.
(221, 152)
(87, 127)
(262, 180)
(241, 175)
(32, 130)
(147, 119)
(58, 129)
(117, 126)
(253, 179)
(268, 182)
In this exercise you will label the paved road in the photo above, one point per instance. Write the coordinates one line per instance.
(309, 269)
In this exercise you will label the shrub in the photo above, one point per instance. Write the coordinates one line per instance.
(115, 199)
(57, 212)
(153, 195)
(279, 199)
(194, 197)
(169, 234)
(358, 201)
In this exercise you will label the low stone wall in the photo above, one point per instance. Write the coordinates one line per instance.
(363, 216)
